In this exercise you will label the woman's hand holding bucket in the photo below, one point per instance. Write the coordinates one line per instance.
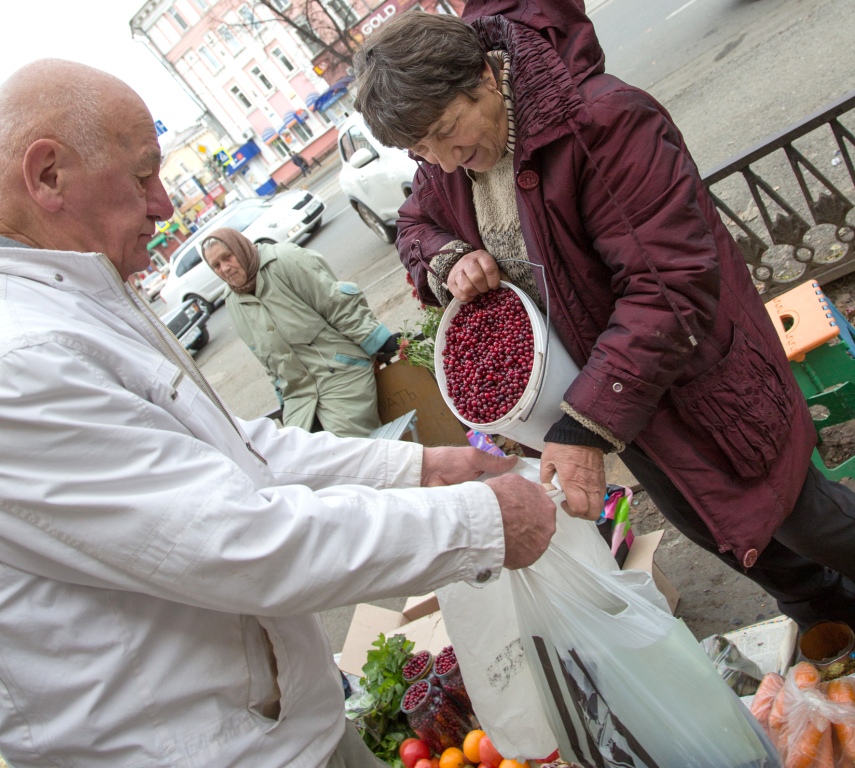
(475, 273)
(581, 474)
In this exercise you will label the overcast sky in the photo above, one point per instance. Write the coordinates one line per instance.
(94, 32)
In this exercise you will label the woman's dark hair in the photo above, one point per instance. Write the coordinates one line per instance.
(411, 69)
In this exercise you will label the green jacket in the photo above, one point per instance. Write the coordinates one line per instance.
(304, 326)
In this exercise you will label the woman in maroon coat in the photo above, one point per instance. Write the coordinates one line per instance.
(528, 151)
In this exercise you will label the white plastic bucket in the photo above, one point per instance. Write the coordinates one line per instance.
(552, 372)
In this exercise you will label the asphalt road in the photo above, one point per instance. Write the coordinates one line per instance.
(731, 72)
(645, 42)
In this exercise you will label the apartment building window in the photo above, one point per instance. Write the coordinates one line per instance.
(232, 43)
(343, 11)
(240, 97)
(302, 132)
(210, 60)
(310, 42)
(262, 79)
(279, 148)
(281, 5)
(202, 5)
(248, 18)
(179, 20)
(283, 59)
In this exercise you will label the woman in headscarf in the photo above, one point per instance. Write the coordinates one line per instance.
(530, 152)
(315, 335)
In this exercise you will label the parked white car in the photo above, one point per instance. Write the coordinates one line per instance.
(152, 285)
(376, 179)
(290, 217)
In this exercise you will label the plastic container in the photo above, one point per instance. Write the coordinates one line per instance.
(828, 645)
(551, 373)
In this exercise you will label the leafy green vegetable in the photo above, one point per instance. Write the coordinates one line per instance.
(417, 346)
(380, 720)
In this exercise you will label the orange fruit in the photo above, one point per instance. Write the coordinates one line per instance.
(508, 763)
(452, 758)
(470, 746)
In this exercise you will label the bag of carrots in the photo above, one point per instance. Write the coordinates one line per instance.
(810, 722)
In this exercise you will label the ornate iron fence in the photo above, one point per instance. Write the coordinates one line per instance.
(793, 221)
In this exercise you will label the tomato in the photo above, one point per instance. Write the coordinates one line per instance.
(413, 750)
(508, 763)
(488, 753)
(425, 763)
(470, 746)
(452, 758)
(551, 759)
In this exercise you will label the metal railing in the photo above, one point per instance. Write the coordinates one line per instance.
(793, 221)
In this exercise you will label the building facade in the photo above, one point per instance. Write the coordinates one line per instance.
(272, 75)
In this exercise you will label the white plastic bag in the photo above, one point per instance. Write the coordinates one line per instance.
(482, 626)
(623, 682)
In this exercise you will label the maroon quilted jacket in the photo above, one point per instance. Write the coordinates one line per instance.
(648, 292)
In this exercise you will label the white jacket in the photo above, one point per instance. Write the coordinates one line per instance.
(147, 551)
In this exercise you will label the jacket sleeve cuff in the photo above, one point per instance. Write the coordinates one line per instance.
(440, 266)
(486, 546)
(377, 339)
(575, 429)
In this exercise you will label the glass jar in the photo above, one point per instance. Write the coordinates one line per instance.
(419, 666)
(435, 716)
(448, 675)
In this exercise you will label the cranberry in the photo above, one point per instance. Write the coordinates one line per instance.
(415, 695)
(435, 716)
(417, 667)
(448, 675)
(488, 355)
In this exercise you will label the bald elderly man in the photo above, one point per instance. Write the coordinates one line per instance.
(162, 562)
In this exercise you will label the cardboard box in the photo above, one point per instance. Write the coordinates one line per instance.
(421, 621)
(427, 632)
(640, 558)
(416, 607)
(402, 387)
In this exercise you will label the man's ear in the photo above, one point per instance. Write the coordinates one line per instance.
(44, 173)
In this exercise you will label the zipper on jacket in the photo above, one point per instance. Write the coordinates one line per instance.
(185, 361)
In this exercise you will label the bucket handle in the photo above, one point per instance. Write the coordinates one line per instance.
(546, 301)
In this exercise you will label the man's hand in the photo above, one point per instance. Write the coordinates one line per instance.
(447, 465)
(582, 476)
(528, 517)
(475, 273)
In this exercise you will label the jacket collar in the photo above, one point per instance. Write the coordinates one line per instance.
(90, 273)
(547, 96)
(265, 256)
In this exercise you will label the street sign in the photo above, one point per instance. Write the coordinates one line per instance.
(159, 127)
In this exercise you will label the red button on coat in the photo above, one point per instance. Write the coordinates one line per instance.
(528, 179)
(750, 558)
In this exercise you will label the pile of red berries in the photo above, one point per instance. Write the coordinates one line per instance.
(488, 355)
(415, 695)
(445, 661)
(448, 673)
(417, 667)
(435, 716)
